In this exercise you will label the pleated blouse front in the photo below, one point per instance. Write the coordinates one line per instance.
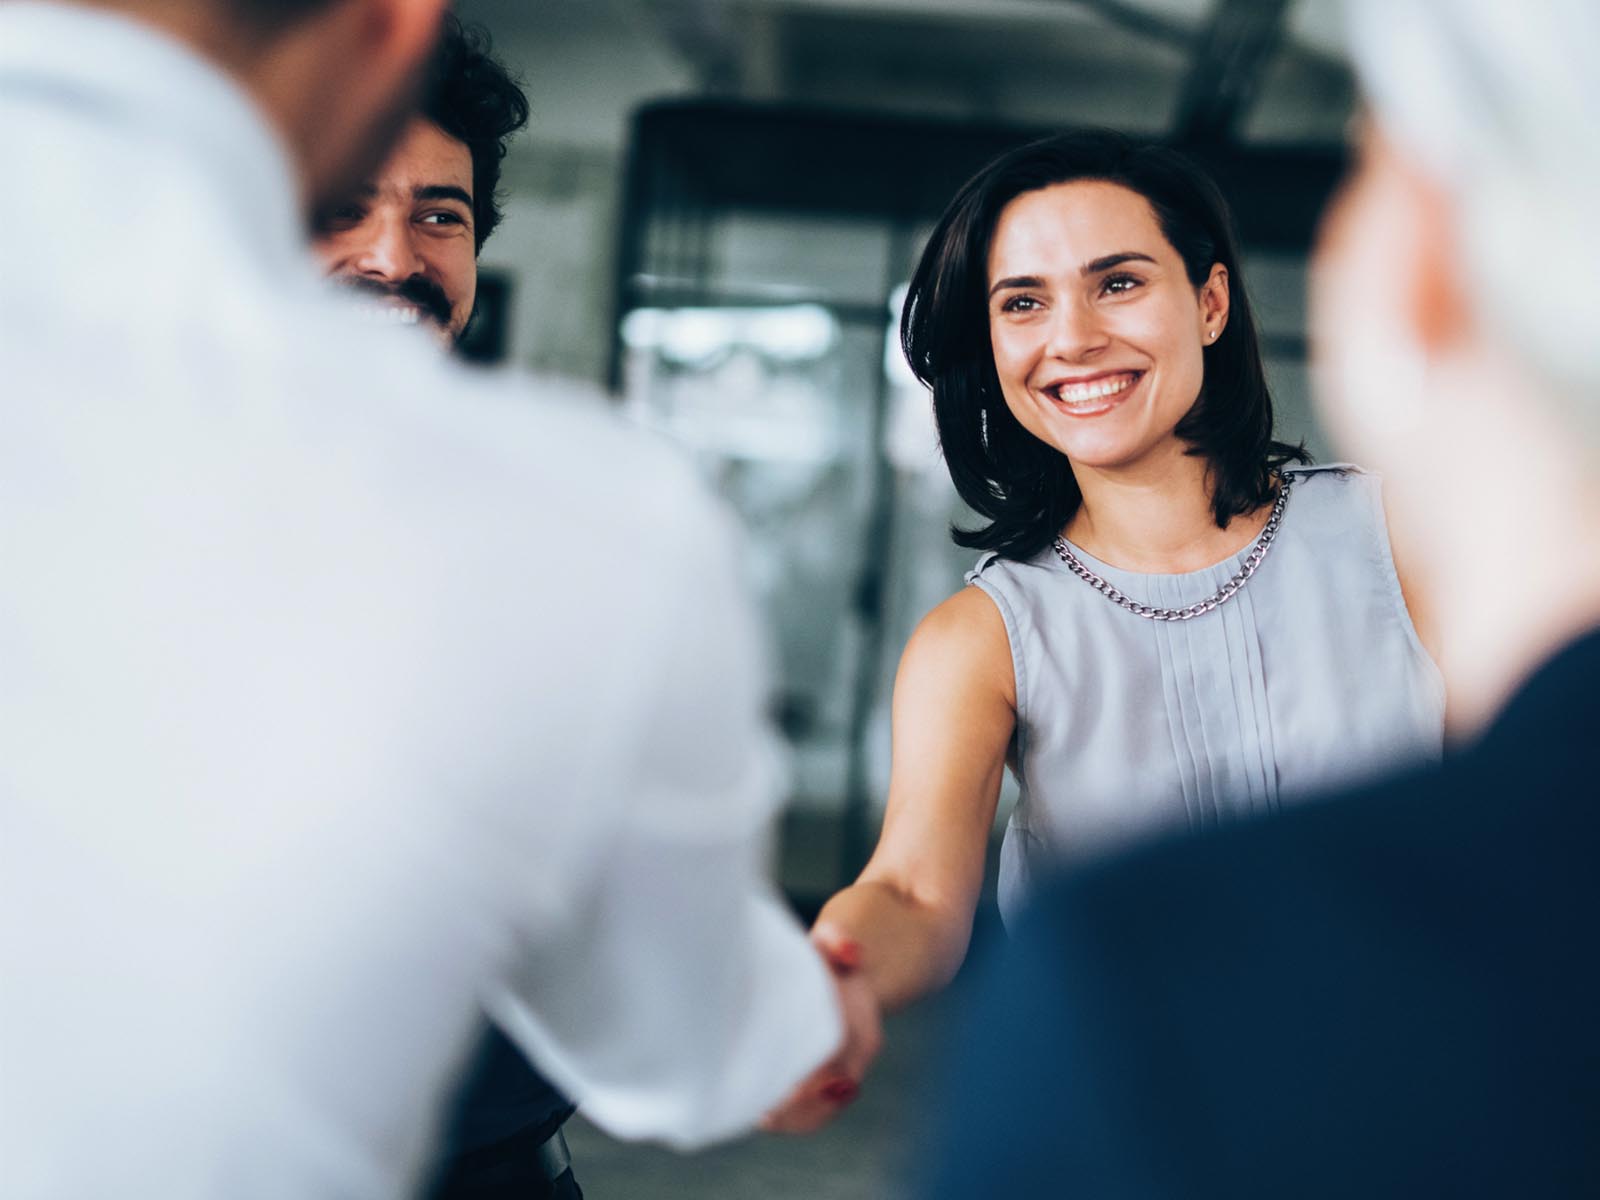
(1309, 677)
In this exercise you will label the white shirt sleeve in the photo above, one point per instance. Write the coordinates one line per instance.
(683, 1000)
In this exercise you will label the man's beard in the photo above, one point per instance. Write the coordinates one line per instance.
(427, 295)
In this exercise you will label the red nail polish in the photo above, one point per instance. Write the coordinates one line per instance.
(841, 1091)
(848, 954)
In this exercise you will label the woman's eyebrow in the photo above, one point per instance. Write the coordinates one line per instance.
(1016, 281)
(1106, 261)
(1093, 267)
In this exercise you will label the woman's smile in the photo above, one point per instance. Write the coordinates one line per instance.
(1094, 395)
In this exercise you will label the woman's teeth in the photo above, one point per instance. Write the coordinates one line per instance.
(1095, 389)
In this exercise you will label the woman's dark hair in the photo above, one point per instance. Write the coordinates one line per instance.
(1024, 488)
(474, 99)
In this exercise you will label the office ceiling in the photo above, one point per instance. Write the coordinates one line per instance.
(1209, 70)
(1311, 24)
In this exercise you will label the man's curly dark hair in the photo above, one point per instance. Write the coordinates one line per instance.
(474, 99)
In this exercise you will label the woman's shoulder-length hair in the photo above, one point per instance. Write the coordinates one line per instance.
(1022, 487)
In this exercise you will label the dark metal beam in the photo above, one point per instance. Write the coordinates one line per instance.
(1139, 20)
(1231, 56)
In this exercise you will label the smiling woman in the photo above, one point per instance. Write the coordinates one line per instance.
(1091, 236)
(1174, 626)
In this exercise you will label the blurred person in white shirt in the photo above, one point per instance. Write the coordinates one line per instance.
(342, 691)
(406, 242)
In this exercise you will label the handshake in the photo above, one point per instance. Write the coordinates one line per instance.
(836, 1083)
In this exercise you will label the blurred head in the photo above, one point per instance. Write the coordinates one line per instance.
(1454, 309)
(1080, 306)
(1455, 300)
(411, 233)
(338, 78)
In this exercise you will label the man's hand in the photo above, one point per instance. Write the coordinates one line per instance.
(836, 1083)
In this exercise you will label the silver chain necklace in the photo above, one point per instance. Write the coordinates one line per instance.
(1226, 592)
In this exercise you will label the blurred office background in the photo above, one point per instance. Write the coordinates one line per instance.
(709, 225)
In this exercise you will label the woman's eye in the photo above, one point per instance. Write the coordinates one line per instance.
(1020, 304)
(1116, 284)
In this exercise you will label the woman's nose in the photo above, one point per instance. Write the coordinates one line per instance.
(1075, 331)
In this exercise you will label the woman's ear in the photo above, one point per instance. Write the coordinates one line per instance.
(1214, 298)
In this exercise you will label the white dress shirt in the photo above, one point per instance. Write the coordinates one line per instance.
(339, 689)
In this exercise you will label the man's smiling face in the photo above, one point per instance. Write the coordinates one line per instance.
(407, 236)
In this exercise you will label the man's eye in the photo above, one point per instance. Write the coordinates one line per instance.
(341, 216)
(442, 218)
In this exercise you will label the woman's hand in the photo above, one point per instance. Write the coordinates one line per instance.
(901, 930)
(835, 1084)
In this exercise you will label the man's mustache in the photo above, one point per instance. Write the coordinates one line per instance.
(418, 290)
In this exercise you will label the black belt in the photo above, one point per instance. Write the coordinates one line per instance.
(537, 1154)
(554, 1157)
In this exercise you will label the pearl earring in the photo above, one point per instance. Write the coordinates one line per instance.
(1213, 335)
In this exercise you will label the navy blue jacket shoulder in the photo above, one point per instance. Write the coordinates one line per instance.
(1392, 993)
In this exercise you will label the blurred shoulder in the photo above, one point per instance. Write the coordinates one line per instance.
(1328, 859)
(574, 437)
(550, 455)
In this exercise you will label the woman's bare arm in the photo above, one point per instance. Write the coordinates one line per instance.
(911, 910)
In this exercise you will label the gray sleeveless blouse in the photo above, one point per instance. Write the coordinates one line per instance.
(1311, 676)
